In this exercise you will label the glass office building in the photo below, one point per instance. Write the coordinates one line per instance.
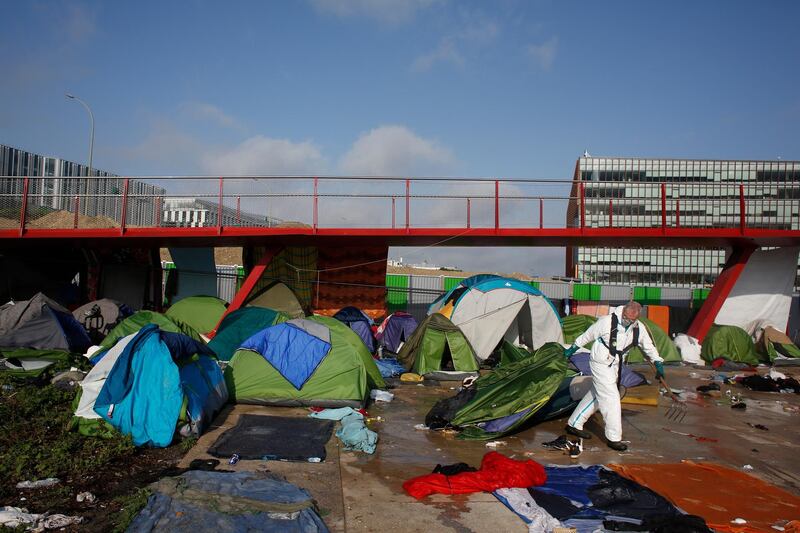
(98, 197)
(628, 192)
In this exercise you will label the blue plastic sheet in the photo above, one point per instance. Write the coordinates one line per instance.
(389, 367)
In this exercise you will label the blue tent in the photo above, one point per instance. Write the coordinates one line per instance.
(152, 383)
(359, 322)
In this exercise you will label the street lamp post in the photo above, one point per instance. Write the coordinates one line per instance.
(91, 134)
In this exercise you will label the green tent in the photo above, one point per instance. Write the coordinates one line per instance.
(439, 350)
(510, 353)
(520, 388)
(23, 363)
(574, 325)
(240, 325)
(278, 296)
(666, 348)
(137, 321)
(343, 377)
(729, 342)
(773, 344)
(201, 313)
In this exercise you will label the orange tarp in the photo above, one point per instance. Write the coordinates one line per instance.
(660, 315)
(719, 495)
(352, 275)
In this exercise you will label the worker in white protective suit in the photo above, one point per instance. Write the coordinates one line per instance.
(608, 354)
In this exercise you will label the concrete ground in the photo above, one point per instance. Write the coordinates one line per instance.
(359, 492)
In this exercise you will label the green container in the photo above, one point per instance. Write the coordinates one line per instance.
(450, 283)
(396, 291)
(586, 292)
(698, 297)
(647, 295)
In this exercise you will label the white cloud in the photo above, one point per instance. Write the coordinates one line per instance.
(446, 52)
(209, 112)
(261, 155)
(543, 54)
(473, 30)
(395, 150)
(385, 11)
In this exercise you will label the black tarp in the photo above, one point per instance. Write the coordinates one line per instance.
(276, 438)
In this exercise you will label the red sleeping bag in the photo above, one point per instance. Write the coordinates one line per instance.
(497, 472)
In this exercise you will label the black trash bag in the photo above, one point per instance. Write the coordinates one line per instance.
(445, 410)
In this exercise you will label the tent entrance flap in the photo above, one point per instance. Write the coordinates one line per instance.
(447, 357)
(520, 332)
(484, 330)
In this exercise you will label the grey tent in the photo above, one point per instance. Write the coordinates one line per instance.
(99, 317)
(42, 324)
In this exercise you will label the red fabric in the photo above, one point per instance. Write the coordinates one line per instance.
(497, 472)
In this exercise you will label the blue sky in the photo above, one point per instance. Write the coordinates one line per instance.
(419, 87)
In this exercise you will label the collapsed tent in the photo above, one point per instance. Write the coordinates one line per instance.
(150, 384)
(773, 344)
(396, 329)
(99, 317)
(201, 313)
(359, 322)
(313, 361)
(239, 326)
(439, 350)
(278, 296)
(41, 324)
(666, 348)
(140, 319)
(502, 401)
(729, 342)
(489, 309)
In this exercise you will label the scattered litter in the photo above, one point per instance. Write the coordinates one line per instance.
(381, 395)
(49, 482)
(314, 460)
(694, 375)
(14, 517)
(738, 521)
(234, 459)
(747, 467)
(712, 389)
(762, 427)
(695, 437)
(574, 449)
(421, 427)
(87, 497)
(739, 405)
(774, 374)
(495, 443)
(411, 377)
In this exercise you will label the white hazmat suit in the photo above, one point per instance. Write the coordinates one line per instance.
(604, 394)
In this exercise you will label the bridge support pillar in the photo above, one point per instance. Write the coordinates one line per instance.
(722, 287)
(248, 285)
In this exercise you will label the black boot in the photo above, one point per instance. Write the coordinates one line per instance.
(578, 432)
(617, 445)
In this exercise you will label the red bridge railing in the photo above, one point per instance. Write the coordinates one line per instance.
(37, 204)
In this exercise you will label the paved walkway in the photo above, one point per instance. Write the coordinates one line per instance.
(358, 492)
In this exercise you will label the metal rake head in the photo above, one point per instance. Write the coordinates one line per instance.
(676, 412)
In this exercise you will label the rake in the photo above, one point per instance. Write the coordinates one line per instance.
(677, 409)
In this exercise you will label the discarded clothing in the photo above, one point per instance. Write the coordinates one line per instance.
(620, 496)
(389, 367)
(767, 384)
(278, 438)
(559, 507)
(572, 483)
(524, 506)
(718, 494)
(14, 517)
(670, 523)
(236, 501)
(497, 471)
(451, 470)
(353, 433)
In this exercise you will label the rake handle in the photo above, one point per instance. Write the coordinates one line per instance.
(664, 383)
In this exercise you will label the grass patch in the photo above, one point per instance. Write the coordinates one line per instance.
(131, 505)
(35, 440)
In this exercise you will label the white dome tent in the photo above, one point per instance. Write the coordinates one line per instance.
(489, 309)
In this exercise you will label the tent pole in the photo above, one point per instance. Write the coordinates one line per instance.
(248, 285)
